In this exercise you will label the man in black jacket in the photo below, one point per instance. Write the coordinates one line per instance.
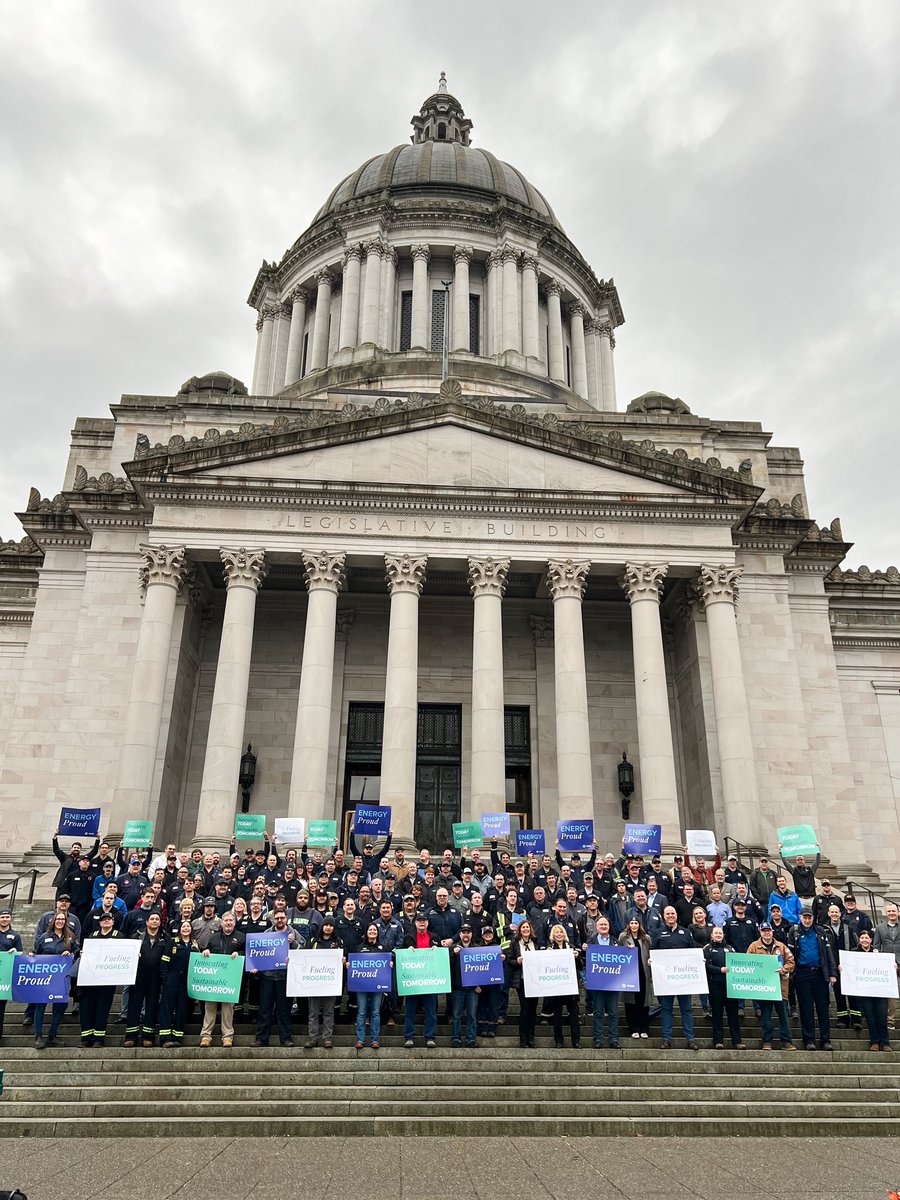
(815, 970)
(804, 877)
(674, 937)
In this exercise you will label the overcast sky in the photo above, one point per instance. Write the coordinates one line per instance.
(735, 166)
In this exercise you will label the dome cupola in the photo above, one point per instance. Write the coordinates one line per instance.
(441, 119)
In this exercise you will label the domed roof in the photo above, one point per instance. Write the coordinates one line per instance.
(439, 159)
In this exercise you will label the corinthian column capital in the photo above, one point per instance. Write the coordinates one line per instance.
(462, 253)
(487, 576)
(243, 568)
(644, 581)
(405, 574)
(567, 578)
(420, 252)
(162, 564)
(324, 571)
(718, 583)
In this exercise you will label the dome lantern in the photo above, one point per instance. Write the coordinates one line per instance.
(441, 118)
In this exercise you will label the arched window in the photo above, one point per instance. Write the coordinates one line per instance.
(442, 131)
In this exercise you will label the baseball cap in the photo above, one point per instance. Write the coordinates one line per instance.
(5, 912)
(732, 858)
(105, 916)
(465, 929)
(64, 896)
(806, 910)
(765, 925)
(774, 906)
(848, 897)
(209, 901)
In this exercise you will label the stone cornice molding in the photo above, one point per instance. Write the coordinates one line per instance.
(324, 571)
(166, 565)
(718, 583)
(404, 573)
(487, 576)
(462, 253)
(864, 575)
(420, 252)
(243, 568)
(567, 578)
(644, 581)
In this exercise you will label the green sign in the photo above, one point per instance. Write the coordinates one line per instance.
(322, 833)
(6, 970)
(138, 833)
(216, 978)
(797, 839)
(249, 826)
(752, 977)
(423, 972)
(467, 833)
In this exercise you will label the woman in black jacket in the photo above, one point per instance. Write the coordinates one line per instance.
(143, 995)
(715, 955)
(58, 939)
(174, 967)
(559, 940)
(523, 942)
(874, 1008)
(637, 1004)
(322, 1007)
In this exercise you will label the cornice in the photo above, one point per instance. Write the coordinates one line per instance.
(851, 642)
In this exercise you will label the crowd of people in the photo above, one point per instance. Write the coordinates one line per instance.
(375, 901)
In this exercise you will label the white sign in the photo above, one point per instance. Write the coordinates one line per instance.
(701, 842)
(290, 831)
(868, 974)
(550, 973)
(315, 973)
(106, 962)
(678, 972)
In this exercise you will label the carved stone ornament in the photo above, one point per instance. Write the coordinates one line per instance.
(462, 253)
(325, 276)
(36, 503)
(451, 389)
(375, 247)
(162, 564)
(576, 309)
(268, 312)
(25, 546)
(405, 574)
(352, 252)
(344, 621)
(420, 253)
(864, 574)
(718, 584)
(509, 254)
(644, 581)
(243, 568)
(487, 576)
(192, 587)
(299, 295)
(541, 630)
(324, 571)
(552, 287)
(567, 578)
(530, 263)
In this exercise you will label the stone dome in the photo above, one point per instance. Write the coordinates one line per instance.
(439, 161)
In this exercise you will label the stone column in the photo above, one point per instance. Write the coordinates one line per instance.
(642, 584)
(592, 353)
(280, 347)
(372, 292)
(566, 581)
(717, 588)
(299, 298)
(607, 373)
(557, 366)
(579, 355)
(405, 577)
(530, 329)
(487, 579)
(325, 576)
(350, 298)
(244, 572)
(318, 356)
(461, 341)
(494, 267)
(265, 350)
(162, 571)
(420, 298)
(511, 340)
(388, 288)
(254, 386)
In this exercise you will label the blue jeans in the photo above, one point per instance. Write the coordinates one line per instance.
(666, 1016)
(606, 1004)
(369, 1005)
(55, 1019)
(780, 1009)
(465, 1001)
(429, 1012)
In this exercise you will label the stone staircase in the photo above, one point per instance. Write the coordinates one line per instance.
(639, 1090)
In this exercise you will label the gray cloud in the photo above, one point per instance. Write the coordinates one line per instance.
(733, 166)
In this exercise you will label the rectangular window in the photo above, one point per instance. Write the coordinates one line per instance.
(405, 320)
(438, 305)
(304, 354)
(568, 368)
(474, 323)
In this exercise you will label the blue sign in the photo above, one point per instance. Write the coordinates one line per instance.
(373, 820)
(517, 919)
(611, 969)
(369, 972)
(575, 835)
(495, 825)
(79, 822)
(530, 841)
(480, 966)
(643, 839)
(41, 978)
(266, 951)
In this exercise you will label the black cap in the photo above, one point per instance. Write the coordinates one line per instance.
(64, 896)
(209, 901)
(105, 916)
(465, 929)
(849, 897)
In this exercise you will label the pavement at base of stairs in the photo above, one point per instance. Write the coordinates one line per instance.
(502, 1168)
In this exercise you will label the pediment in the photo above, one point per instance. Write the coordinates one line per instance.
(437, 442)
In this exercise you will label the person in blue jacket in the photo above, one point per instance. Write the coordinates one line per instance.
(789, 901)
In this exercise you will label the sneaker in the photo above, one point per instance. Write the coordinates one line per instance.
(203, 1042)
(739, 1046)
(635, 1035)
(789, 1046)
(720, 1046)
(614, 1046)
(40, 1044)
(827, 1046)
(767, 1046)
(888, 1048)
(598, 1045)
(409, 1043)
(692, 1046)
(667, 1045)
(809, 1045)
(645, 1035)
(431, 1044)
(310, 1044)
(288, 1042)
(875, 1047)
(456, 1042)
(227, 1043)
(122, 1019)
